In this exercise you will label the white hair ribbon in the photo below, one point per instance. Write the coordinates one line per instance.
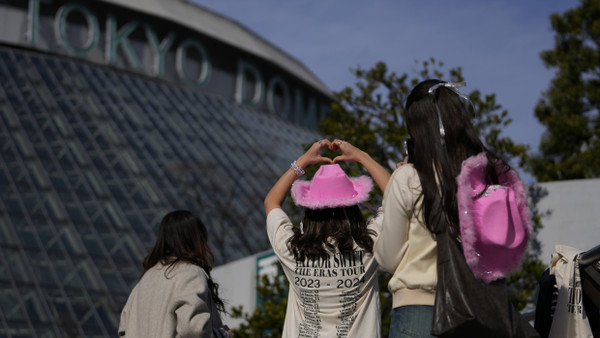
(453, 86)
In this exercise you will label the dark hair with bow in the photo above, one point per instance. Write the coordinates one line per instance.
(440, 127)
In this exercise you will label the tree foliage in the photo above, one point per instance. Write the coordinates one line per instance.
(570, 147)
(370, 114)
(266, 321)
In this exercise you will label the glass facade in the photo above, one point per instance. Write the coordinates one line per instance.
(92, 158)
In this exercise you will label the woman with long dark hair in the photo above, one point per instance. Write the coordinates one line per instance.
(176, 296)
(328, 259)
(421, 199)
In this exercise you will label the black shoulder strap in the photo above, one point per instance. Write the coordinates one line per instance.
(590, 257)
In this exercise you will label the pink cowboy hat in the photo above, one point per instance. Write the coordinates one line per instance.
(330, 188)
(496, 226)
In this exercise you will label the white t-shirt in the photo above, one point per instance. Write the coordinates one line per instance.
(337, 297)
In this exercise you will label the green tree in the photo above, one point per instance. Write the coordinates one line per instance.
(266, 320)
(370, 116)
(570, 147)
(522, 283)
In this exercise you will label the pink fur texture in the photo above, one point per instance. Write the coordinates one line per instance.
(330, 187)
(489, 263)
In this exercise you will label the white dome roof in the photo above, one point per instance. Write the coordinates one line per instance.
(223, 29)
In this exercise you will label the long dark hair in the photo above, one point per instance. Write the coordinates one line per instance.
(438, 163)
(182, 237)
(326, 230)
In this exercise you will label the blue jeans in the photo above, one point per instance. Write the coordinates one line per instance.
(412, 321)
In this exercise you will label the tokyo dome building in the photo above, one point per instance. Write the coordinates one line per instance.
(113, 113)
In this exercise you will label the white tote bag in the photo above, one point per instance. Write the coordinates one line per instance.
(570, 319)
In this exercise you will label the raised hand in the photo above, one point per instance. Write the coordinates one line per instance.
(349, 152)
(279, 191)
(313, 154)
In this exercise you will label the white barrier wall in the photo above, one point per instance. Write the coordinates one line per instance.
(237, 281)
(574, 215)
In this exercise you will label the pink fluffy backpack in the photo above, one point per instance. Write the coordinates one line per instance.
(495, 225)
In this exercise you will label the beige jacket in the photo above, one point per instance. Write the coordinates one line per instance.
(405, 247)
(177, 306)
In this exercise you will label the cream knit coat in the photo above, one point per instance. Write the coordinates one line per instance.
(176, 305)
(405, 247)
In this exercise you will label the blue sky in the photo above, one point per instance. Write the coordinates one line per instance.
(496, 43)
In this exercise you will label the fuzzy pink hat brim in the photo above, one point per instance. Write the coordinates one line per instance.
(362, 187)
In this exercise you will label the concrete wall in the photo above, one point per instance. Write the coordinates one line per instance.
(574, 215)
(237, 282)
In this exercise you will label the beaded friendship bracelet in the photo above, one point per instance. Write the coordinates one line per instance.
(296, 168)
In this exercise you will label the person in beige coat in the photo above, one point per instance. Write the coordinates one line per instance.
(176, 296)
